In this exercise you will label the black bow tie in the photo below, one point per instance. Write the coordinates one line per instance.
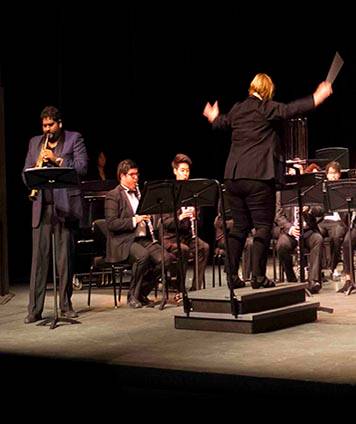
(132, 192)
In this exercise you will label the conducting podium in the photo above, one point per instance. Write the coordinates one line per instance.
(52, 178)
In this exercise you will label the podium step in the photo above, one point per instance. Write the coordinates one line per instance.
(217, 300)
(256, 322)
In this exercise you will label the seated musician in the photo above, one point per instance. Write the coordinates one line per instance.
(130, 238)
(187, 217)
(348, 285)
(333, 224)
(287, 221)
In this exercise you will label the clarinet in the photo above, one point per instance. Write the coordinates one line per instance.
(192, 220)
(149, 222)
(152, 231)
(296, 224)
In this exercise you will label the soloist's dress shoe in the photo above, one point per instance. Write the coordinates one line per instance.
(32, 318)
(262, 283)
(69, 314)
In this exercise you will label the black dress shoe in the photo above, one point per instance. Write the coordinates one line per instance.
(350, 289)
(262, 283)
(292, 279)
(147, 302)
(69, 314)
(314, 287)
(237, 283)
(32, 318)
(345, 287)
(134, 303)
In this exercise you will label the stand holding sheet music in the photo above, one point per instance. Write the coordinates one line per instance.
(158, 197)
(52, 178)
(168, 196)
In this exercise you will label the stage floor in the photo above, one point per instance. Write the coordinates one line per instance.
(143, 347)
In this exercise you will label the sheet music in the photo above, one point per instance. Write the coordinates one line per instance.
(335, 68)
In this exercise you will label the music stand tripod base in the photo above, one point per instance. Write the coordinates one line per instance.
(53, 321)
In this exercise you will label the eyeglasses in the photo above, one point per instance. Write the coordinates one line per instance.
(133, 174)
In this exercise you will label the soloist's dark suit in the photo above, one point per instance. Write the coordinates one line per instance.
(68, 211)
(254, 164)
(122, 243)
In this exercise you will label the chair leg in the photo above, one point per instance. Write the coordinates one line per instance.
(281, 273)
(219, 269)
(213, 271)
(90, 281)
(113, 282)
(274, 260)
(121, 275)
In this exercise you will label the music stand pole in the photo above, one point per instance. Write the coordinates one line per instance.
(53, 321)
(196, 253)
(163, 266)
(159, 197)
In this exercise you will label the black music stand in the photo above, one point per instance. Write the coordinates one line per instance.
(341, 197)
(94, 193)
(234, 304)
(298, 190)
(158, 197)
(203, 192)
(52, 178)
(197, 192)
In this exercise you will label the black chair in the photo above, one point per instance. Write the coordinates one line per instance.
(99, 263)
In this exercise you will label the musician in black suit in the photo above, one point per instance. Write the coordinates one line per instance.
(348, 286)
(333, 224)
(129, 236)
(254, 164)
(187, 217)
(288, 223)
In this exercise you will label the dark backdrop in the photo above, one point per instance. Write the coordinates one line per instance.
(135, 80)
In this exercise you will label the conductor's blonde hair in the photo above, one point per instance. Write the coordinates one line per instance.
(263, 85)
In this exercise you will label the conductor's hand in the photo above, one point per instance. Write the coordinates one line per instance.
(323, 91)
(211, 111)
